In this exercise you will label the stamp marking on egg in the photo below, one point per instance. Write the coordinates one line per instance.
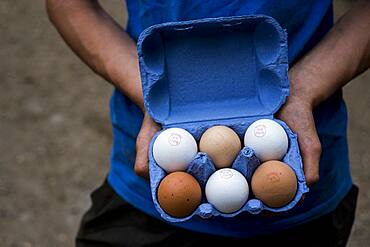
(226, 174)
(260, 130)
(174, 139)
(273, 177)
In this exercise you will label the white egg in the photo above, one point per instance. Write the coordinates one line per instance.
(267, 138)
(174, 149)
(227, 190)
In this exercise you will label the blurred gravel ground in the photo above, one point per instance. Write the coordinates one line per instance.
(55, 135)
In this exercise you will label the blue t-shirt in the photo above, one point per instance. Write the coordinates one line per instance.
(306, 23)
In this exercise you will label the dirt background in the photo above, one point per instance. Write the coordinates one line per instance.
(55, 134)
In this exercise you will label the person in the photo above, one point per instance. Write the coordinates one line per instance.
(323, 57)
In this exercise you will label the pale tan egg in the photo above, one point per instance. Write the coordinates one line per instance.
(221, 144)
(274, 183)
(179, 194)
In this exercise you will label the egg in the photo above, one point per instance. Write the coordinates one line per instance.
(221, 144)
(267, 138)
(227, 190)
(179, 194)
(174, 149)
(274, 183)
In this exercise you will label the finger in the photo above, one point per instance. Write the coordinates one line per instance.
(147, 131)
(310, 147)
(300, 119)
(142, 162)
(311, 152)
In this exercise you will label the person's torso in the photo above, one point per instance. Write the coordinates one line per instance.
(306, 23)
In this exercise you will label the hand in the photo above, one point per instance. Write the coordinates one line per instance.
(339, 57)
(147, 131)
(297, 113)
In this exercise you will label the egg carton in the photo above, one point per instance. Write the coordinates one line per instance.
(227, 71)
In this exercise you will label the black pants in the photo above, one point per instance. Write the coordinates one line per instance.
(113, 222)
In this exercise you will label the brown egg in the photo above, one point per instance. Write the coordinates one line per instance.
(274, 183)
(179, 194)
(221, 144)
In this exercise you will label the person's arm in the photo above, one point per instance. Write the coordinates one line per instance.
(100, 42)
(343, 54)
(104, 46)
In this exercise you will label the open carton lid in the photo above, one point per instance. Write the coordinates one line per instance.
(214, 69)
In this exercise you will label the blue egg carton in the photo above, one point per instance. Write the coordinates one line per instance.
(227, 71)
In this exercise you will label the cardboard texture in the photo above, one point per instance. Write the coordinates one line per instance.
(227, 71)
